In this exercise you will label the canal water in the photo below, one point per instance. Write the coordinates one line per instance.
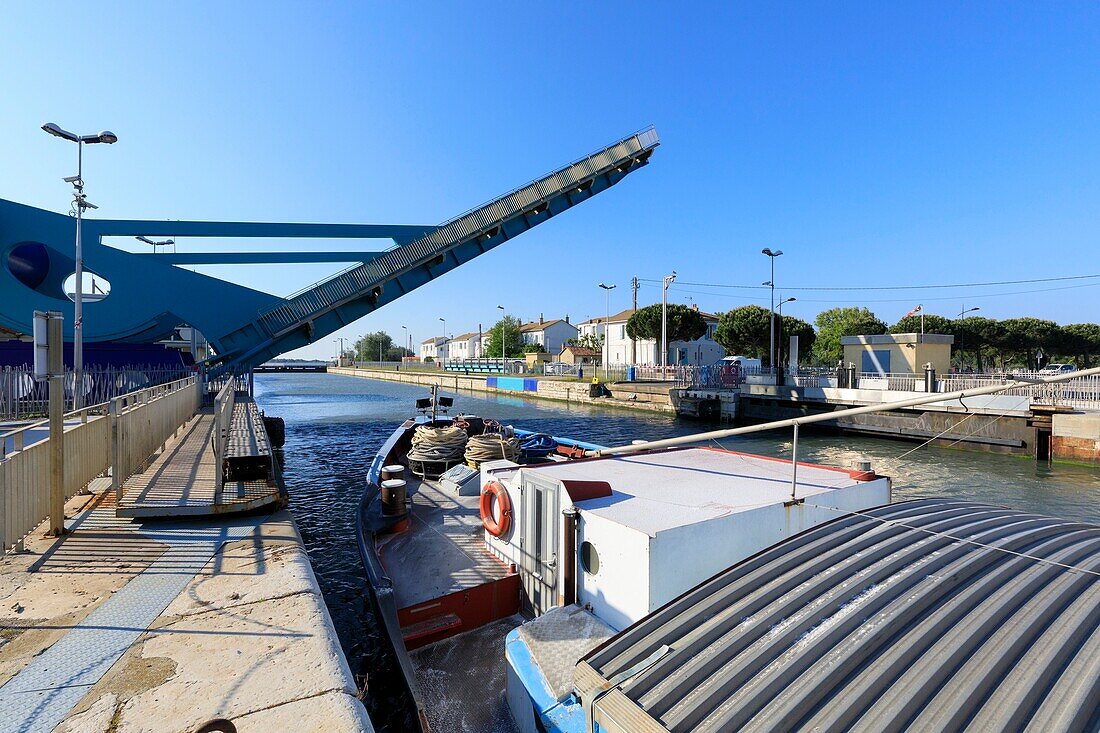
(335, 424)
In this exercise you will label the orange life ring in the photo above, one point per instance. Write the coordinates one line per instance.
(492, 526)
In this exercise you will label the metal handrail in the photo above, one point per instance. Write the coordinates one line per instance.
(354, 280)
(224, 403)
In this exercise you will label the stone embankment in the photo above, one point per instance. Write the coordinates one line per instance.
(241, 640)
(646, 396)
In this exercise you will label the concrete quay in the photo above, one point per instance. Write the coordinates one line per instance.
(160, 627)
(645, 396)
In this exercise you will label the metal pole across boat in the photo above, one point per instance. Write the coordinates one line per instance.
(825, 416)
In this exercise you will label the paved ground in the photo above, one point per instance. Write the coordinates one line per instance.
(123, 627)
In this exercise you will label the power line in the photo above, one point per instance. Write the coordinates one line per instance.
(892, 287)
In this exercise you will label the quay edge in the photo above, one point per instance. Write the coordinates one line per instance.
(248, 638)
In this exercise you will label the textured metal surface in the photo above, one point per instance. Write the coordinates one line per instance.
(462, 679)
(560, 637)
(922, 615)
(43, 693)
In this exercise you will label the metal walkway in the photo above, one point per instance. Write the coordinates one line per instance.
(182, 481)
(42, 694)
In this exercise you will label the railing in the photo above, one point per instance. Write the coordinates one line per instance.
(143, 421)
(22, 398)
(357, 279)
(25, 468)
(223, 419)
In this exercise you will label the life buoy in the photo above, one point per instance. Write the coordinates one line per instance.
(492, 526)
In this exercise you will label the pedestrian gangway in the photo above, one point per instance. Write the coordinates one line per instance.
(332, 303)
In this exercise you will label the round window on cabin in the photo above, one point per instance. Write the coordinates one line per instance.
(590, 559)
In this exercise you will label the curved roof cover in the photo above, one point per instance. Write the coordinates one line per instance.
(923, 615)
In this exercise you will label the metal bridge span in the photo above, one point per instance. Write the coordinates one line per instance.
(151, 296)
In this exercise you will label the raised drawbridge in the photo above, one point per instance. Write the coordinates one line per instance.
(151, 295)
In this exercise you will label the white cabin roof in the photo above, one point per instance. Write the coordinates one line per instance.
(653, 492)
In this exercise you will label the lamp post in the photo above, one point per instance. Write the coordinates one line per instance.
(503, 327)
(779, 307)
(665, 282)
(80, 202)
(606, 333)
(444, 343)
(408, 345)
(962, 337)
(771, 331)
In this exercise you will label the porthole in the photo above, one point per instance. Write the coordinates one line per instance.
(590, 559)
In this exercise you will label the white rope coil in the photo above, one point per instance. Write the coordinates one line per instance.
(491, 447)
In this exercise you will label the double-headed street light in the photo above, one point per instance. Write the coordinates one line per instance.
(606, 333)
(80, 203)
(665, 282)
(771, 340)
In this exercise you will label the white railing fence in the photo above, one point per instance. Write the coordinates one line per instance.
(143, 421)
(25, 468)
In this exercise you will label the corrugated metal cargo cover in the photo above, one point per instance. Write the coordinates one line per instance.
(925, 615)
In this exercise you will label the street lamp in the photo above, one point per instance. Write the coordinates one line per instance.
(503, 326)
(968, 310)
(771, 331)
(80, 204)
(779, 307)
(408, 344)
(665, 282)
(962, 336)
(444, 342)
(606, 333)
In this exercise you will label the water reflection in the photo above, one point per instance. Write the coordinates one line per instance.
(334, 425)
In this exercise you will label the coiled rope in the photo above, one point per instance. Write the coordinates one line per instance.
(491, 447)
(437, 445)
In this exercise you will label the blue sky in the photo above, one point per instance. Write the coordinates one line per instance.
(881, 144)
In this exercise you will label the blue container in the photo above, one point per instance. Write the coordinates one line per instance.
(631, 374)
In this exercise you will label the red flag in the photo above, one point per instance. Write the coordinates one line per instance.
(913, 312)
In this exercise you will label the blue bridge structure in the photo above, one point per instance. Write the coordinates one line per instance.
(151, 296)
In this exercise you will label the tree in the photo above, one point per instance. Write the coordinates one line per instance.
(791, 326)
(372, 346)
(978, 336)
(683, 323)
(835, 323)
(587, 341)
(1082, 340)
(1022, 339)
(932, 324)
(744, 331)
(506, 328)
(532, 348)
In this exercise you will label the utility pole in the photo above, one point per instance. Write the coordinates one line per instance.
(48, 364)
(634, 306)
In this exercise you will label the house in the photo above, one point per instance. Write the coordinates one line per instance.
(704, 350)
(551, 335)
(434, 348)
(465, 346)
(578, 355)
(898, 353)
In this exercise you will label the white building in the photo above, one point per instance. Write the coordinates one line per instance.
(551, 335)
(434, 348)
(704, 350)
(465, 346)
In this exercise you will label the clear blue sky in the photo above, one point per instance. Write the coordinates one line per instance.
(875, 144)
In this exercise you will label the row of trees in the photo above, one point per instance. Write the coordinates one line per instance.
(979, 342)
(373, 345)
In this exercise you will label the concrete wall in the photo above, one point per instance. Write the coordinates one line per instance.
(1076, 436)
(630, 395)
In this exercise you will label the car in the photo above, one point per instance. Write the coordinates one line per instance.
(1051, 370)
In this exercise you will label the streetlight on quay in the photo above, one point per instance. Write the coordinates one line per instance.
(779, 307)
(408, 339)
(968, 310)
(503, 330)
(665, 282)
(444, 342)
(606, 334)
(962, 336)
(771, 331)
(80, 203)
